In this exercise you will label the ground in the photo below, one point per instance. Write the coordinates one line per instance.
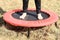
(51, 32)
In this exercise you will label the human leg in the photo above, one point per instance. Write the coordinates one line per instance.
(25, 6)
(38, 8)
(38, 5)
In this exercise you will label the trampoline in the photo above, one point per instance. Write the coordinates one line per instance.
(12, 17)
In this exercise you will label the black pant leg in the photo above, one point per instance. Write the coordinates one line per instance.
(38, 5)
(25, 5)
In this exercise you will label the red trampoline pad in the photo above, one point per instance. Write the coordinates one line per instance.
(24, 23)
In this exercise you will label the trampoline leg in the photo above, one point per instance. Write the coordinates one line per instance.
(4, 23)
(28, 32)
(56, 24)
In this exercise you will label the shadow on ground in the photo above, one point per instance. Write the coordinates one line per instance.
(1, 18)
(20, 28)
(2, 11)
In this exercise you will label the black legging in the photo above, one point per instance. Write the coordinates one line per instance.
(37, 4)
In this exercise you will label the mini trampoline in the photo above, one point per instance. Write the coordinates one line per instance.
(12, 17)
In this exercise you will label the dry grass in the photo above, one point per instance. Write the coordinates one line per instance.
(46, 33)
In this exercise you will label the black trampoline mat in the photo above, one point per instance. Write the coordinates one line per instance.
(31, 15)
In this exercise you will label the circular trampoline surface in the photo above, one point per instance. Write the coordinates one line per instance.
(12, 17)
(31, 15)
